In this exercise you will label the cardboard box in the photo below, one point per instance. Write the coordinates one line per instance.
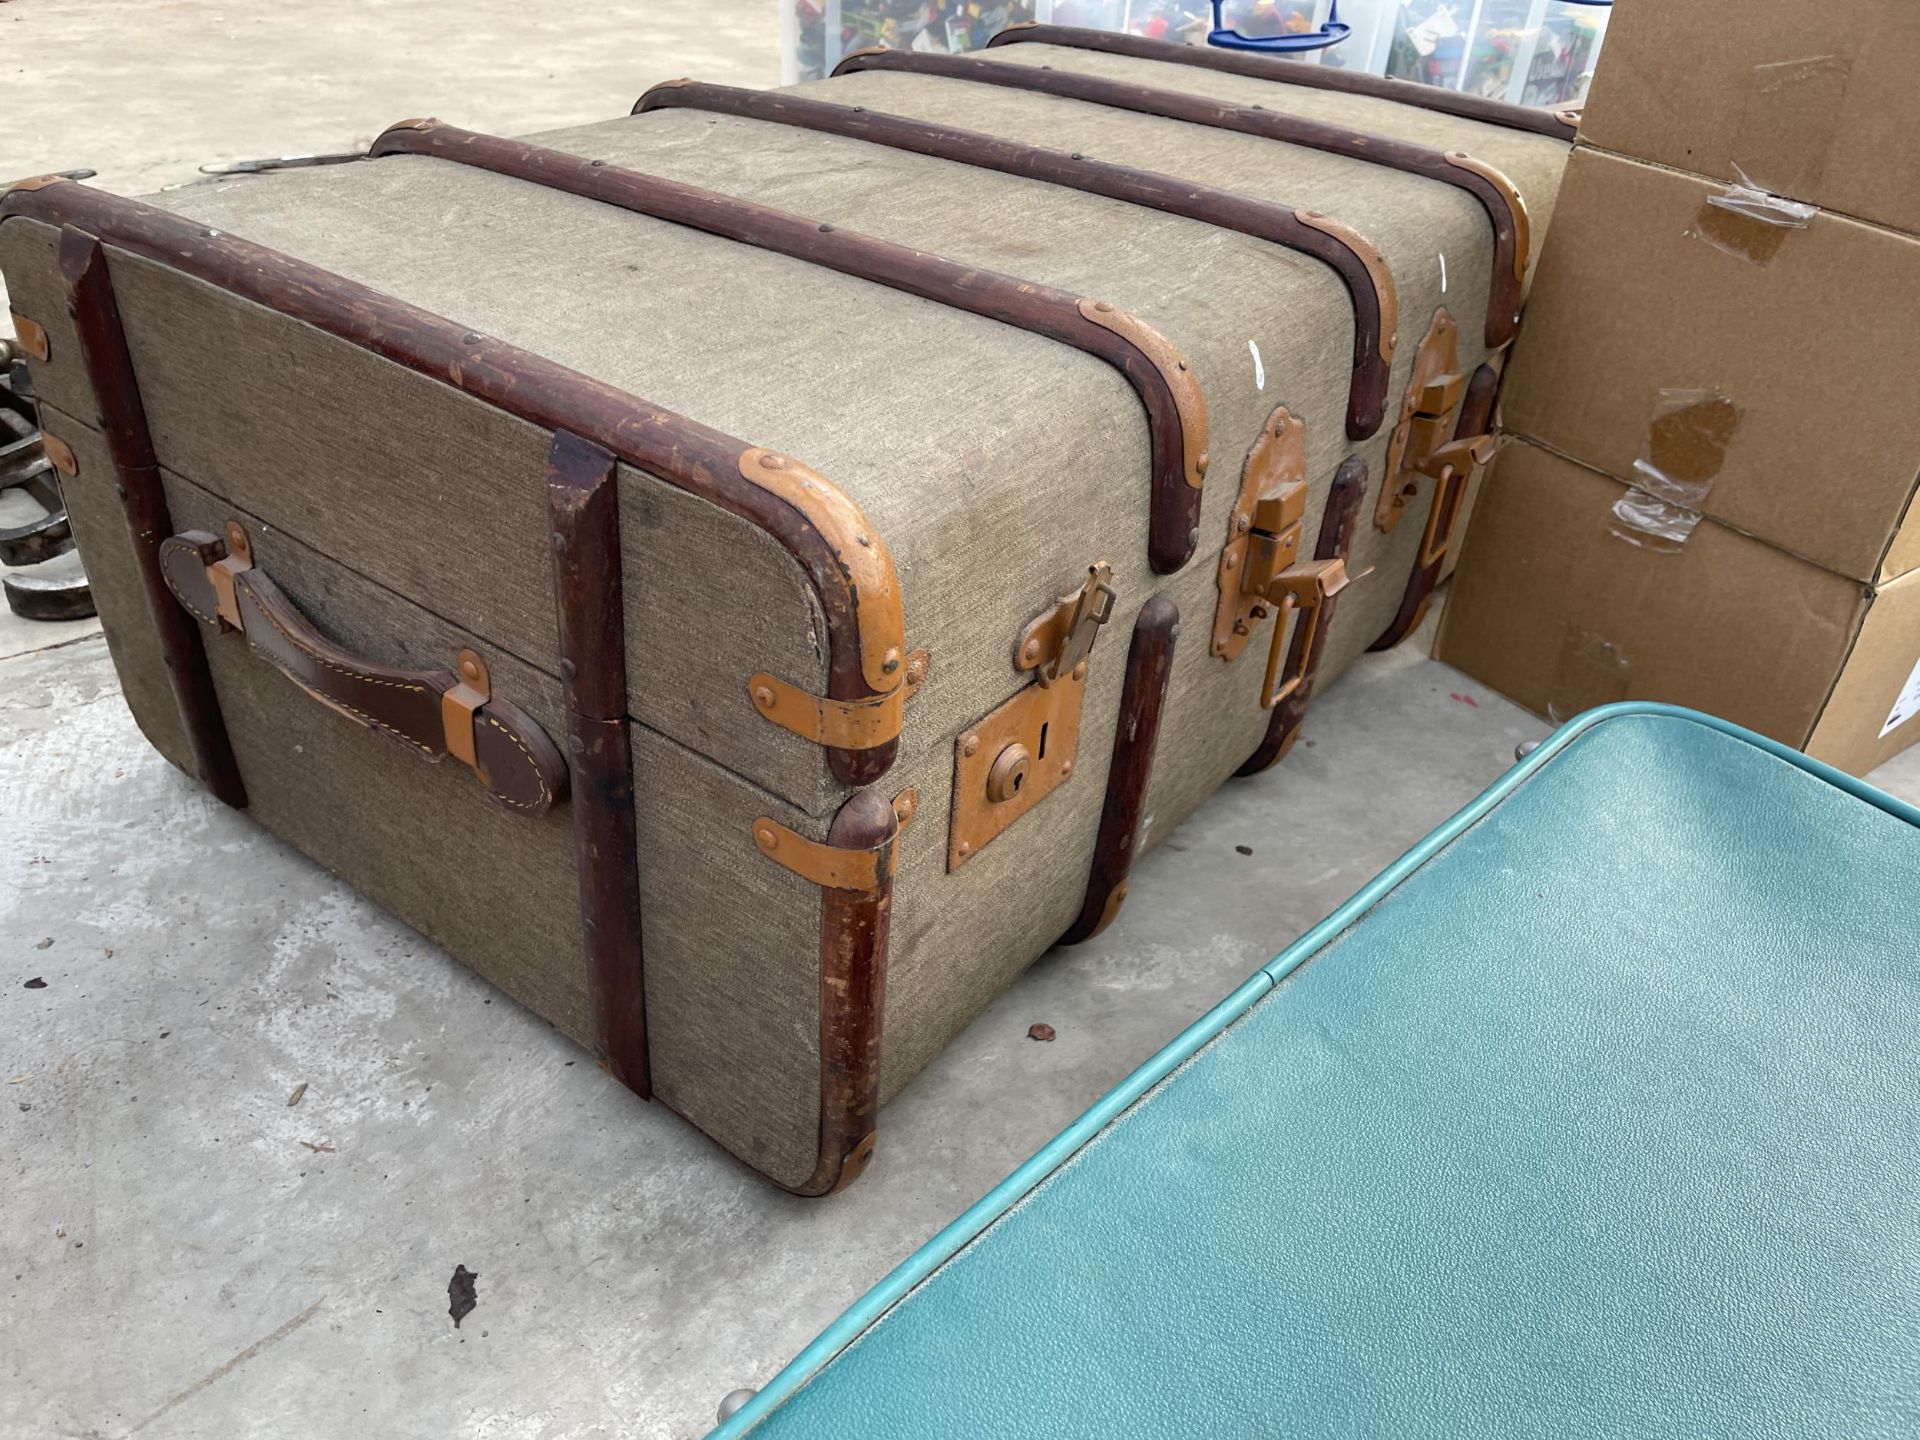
(1552, 607)
(1817, 102)
(1765, 372)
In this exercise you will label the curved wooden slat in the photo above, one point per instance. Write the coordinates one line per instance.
(1357, 262)
(1497, 195)
(1176, 410)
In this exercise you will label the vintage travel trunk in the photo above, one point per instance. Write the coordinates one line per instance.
(756, 573)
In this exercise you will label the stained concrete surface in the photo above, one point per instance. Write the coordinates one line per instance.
(183, 1252)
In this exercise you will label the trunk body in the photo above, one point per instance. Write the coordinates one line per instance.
(957, 389)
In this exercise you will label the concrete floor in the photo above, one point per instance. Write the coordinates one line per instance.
(183, 1252)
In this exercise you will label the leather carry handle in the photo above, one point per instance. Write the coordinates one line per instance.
(433, 711)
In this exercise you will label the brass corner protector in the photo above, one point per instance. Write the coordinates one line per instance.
(1188, 399)
(1376, 265)
(59, 454)
(839, 724)
(832, 867)
(32, 337)
(1510, 193)
(859, 549)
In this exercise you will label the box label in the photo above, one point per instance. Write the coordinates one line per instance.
(1907, 706)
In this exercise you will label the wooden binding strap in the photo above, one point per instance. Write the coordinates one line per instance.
(1495, 193)
(583, 501)
(1476, 419)
(1353, 258)
(1294, 72)
(816, 525)
(1166, 385)
(1337, 524)
(854, 868)
(1142, 702)
(123, 422)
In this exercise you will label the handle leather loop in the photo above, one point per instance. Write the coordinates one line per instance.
(434, 712)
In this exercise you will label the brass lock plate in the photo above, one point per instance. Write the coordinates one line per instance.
(1010, 760)
(1263, 531)
(1434, 391)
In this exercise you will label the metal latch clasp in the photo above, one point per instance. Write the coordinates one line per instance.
(1305, 588)
(1009, 761)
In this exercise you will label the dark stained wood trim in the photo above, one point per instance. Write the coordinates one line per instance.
(853, 995)
(1368, 283)
(1476, 418)
(1337, 524)
(123, 422)
(680, 451)
(1040, 309)
(1507, 217)
(583, 499)
(1143, 701)
(1294, 72)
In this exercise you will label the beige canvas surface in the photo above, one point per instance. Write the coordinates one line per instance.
(995, 463)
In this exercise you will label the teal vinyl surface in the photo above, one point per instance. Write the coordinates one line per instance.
(1597, 1114)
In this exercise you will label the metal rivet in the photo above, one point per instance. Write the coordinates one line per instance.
(1231, 562)
(890, 662)
(763, 697)
(1080, 671)
(1193, 536)
(1066, 768)
(559, 543)
(970, 745)
(1242, 524)
(1031, 650)
(963, 850)
(472, 337)
(865, 540)
(826, 229)
(1105, 307)
(470, 670)
(568, 669)
(767, 837)
(771, 461)
(596, 163)
(905, 805)
(236, 537)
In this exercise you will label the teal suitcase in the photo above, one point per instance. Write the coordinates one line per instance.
(1593, 1115)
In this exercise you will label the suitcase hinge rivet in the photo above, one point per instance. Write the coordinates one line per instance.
(766, 837)
(763, 697)
(890, 662)
(970, 745)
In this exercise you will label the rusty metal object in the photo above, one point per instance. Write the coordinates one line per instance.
(1007, 762)
(433, 712)
(1275, 477)
(123, 419)
(1164, 391)
(1425, 445)
(1554, 124)
(1503, 309)
(839, 724)
(869, 564)
(1522, 220)
(583, 503)
(679, 451)
(1175, 374)
(1338, 522)
(836, 867)
(1443, 519)
(1259, 576)
(1352, 257)
(1143, 701)
(31, 337)
(27, 469)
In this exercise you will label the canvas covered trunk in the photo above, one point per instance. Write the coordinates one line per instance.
(756, 573)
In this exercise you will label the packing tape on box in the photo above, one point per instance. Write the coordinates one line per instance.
(1687, 440)
(1748, 222)
(1793, 115)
